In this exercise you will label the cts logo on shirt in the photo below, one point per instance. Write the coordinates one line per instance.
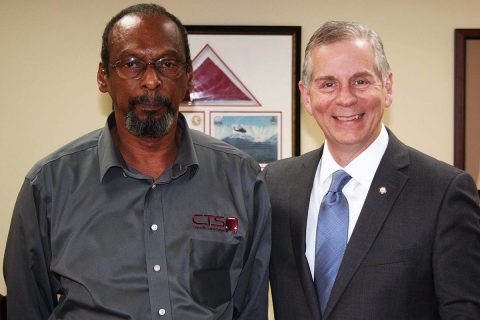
(217, 223)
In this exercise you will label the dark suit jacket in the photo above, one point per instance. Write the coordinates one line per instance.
(414, 252)
(3, 307)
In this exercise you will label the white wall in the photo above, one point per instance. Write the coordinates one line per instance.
(50, 51)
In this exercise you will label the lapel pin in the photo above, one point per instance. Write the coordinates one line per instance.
(382, 190)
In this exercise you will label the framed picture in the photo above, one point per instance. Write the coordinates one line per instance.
(245, 88)
(467, 101)
(263, 131)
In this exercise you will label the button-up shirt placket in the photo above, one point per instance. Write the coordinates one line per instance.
(155, 245)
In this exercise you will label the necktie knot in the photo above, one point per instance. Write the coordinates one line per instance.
(339, 179)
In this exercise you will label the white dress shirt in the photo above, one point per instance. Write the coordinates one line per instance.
(362, 170)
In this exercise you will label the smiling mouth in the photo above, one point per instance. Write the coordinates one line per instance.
(349, 118)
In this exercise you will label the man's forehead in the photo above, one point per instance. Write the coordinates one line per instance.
(128, 21)
(344, 59)
(134, 26)
(133, 21)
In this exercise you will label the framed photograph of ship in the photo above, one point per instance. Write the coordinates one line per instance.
(245, 88)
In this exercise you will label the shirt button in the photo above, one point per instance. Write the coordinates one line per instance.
(161, 312)
(154, 227)
(154, 186)
(156, 267)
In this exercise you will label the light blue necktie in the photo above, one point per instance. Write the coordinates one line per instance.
(332, 234)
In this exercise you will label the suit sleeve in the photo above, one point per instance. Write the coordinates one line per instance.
(251, 295)
(456, 252)
(26, 263)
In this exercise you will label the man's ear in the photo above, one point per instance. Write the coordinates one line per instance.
(389, 90)
(305, 97)
(102, 78)
(190, 77)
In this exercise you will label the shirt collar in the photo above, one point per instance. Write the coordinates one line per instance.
(186, 157)
(109, 156)
(362, 169)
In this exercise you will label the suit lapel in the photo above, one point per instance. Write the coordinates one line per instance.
(387, 184)
(299, 200)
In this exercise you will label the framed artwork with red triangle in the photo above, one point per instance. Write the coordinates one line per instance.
(245, 89)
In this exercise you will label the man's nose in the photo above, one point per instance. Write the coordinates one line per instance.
(151, 79)
(346, 96)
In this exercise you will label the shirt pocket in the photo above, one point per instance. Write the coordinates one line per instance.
(210, 264)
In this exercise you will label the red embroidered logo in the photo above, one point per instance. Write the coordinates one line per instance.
(217, 223)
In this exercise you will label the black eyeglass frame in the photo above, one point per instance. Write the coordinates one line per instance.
(157, 65)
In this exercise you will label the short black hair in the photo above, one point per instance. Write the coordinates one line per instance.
(142, 9)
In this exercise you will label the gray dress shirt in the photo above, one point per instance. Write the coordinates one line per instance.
(91, 238)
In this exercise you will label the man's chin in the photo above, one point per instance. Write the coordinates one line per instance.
(149, 125)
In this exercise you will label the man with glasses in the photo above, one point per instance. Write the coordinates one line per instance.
(145, 218)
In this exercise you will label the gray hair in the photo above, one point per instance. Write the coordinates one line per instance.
(333, 31)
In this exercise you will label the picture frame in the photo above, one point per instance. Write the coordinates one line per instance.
(245, 89)
(467, 102)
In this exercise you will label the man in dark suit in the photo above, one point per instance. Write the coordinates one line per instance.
(411, 247)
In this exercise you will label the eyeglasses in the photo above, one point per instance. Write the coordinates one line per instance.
(133, 68)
